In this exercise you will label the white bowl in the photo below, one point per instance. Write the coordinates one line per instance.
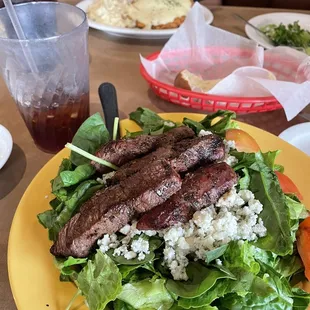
(6, 145)
(299, 136)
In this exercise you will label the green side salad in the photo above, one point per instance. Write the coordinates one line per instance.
(288, 35)
(258, 273)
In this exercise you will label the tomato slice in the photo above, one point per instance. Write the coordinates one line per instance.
(287, 185)
(303, 244)
(244, 142)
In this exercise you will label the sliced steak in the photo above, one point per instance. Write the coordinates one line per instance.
(110, 209)
(174, 135)
(201, 150)
(136, 165)
(122, 151)
(119, 152)
(183, 155)
(199, 189)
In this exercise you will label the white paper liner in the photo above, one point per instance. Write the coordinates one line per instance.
(214, 53)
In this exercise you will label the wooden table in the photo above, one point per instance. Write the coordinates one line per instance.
(117, 61)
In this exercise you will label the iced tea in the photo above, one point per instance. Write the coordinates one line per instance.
(53, 125)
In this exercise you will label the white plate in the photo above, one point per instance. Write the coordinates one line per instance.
(274, 18)
(6, 145)
(299, 136)
(134, 32)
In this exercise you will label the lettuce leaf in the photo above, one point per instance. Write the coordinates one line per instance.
(99, 281)
(242, 259)
(244, 181)
(196, 126)
(120, 305)
(275, 215)
(208, 123)
(70, 267)
(216, 253)
(54, 220)
(206, 307)
(241, 284)
(301, 299)
(287, 266)
(154, 243)
(89, 137)
(150, 122)
(201, 279)
(297, 210)
(147, 294)
(223, 124)
(68, 178)
(241, 254)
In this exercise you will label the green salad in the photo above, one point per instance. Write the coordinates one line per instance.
(256, 267)
(288, 35)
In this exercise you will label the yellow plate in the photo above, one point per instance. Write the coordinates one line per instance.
(34, 278)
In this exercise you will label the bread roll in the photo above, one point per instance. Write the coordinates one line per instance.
(193, 82)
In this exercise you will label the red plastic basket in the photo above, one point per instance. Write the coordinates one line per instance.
(282, 68)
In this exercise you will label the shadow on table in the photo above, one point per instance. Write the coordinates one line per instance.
(13, 171)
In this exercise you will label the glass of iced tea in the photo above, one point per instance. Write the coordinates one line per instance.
(47, 74)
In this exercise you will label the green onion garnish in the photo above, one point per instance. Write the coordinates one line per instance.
(98, 160)
(115, 127)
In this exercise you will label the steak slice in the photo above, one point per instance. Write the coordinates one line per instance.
(201, 150)
(119, 152)
(199, 189)
(136, 165)
(174, 135)
(110, 209)
(183, 155)
(122, 151)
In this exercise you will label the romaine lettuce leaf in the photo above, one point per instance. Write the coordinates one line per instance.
(99, 281)
(260, 296)
(244, 181)
(70, 267)
(207, 307)
(147, 294)
(275, 215)
(241, 254)
(245, 160)
(287, 265)
(120, 305)
(89, 137)
(297, 210)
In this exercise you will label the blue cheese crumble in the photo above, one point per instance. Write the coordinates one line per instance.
(233, 217)
(129, 245)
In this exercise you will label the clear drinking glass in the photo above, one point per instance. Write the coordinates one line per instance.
(53, 95)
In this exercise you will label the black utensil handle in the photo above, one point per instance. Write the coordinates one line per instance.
(108, 98)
